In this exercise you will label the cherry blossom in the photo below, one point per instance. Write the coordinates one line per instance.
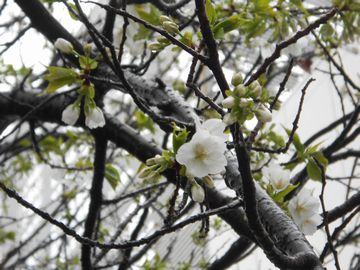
(278, 178)
(304, 211)
(71, 114)
(95, 118)
(203, 154)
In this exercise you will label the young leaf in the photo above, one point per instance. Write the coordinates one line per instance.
(179, 138)
(313, 170)
(210, 12)
(112, 175)
(59, 77)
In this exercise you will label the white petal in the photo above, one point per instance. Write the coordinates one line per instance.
(309, 225)
(197, 193)
(63, 45)
(71, 114)
(95, 118)
(215, 127)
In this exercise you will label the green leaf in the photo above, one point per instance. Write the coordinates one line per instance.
(143, 33)
(313, 170)
(227, 25)
(144, 122)
(73, 6)
(319, 156)
(179, 138)
(152, 16)
(210, 12)
(4, 236)
(279, 197)
(296, 141)
(59, 77)
(87, 62)
(112, 175)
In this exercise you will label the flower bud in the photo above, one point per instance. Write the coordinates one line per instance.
(229, 119)
(277, 105)
(255, 89)
(164, 18)
(163, 40)
(244, 102)
(145, 173)
(197, 192)
(88, 48)
(228, 102)
(240, 90)
(63, 45)
(236, 79)
(208, 181)
(155, 46)
(171, 27)
(263, 114)
(71, 114)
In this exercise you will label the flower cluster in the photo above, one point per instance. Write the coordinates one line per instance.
(94, 115)
(245, 102)
(156, 165)
(58, 77)
(169, 26)
(304, 211)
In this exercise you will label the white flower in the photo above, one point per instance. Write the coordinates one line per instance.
(215, 127)
(278, 177)
(303, 205)
(71, 114)
(203, 154)
(63, 45)
(197, 192)
(309, 225)
(95, 118)
(304, 210)
(228, 102)
(263, 114)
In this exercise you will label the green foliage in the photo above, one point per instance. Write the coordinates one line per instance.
(184, 266)
(199, 238)
(179, 137)
(210, 12)
(155, 264)
(144, 122)
(278, 197)
(112, 175)
(69, 264)
(152, 16)
(217, 223)
(311, 156)
(6, 236)
(87, 62)
(59, 77)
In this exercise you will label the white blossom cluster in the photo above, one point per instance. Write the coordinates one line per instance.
(304, 211)
(303, 207)
(94, 118)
